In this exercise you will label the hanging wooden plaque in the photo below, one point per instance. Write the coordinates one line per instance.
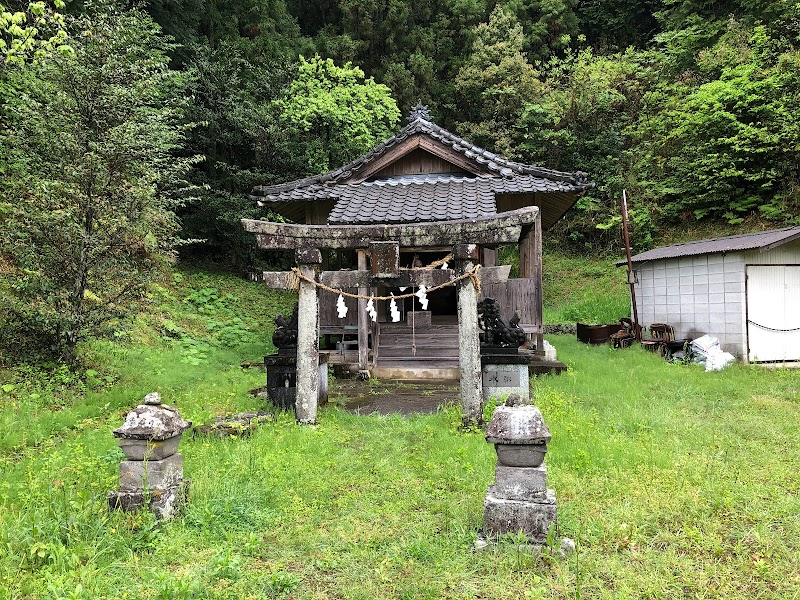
(385, 259)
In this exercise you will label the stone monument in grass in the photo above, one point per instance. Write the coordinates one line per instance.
(519, 501)
(152, 474)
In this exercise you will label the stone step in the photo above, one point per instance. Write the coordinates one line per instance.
(417, 370)
(449, 361)
(390, 337)
(423, 350)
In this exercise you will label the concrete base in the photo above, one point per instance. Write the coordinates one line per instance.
(153, 474)
(282, 379)
(502, 380)
(483, 543)
(532, 519)
(416, 373)
(164, 503)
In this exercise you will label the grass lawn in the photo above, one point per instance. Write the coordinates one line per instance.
(674, 482)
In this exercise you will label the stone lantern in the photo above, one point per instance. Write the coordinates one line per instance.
(152, 475)
(519, 501)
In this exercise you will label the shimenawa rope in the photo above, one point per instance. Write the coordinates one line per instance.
(471, 274)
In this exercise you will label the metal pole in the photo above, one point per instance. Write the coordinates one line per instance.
(636, 330)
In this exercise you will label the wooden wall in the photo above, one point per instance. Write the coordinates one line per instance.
(327, 309)
(416, 162)
(514, 294)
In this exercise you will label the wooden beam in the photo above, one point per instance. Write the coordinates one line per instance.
(279, 280)
(504, 228)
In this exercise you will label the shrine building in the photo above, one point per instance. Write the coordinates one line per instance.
(421, 181)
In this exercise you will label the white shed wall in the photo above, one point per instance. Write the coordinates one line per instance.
(788, 254)
(697, 295)
(705, 294)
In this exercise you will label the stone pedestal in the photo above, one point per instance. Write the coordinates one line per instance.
(504, 374)
(282, 379)
(152, 475)
(519, 500)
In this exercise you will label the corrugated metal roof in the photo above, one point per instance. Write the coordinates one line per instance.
(762, 240)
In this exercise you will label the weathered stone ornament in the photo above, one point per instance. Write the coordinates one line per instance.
(282, 366)
(152, 475)
(519, 500)
(285, 335)
(496, 330)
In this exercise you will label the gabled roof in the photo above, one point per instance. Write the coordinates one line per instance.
(762, 240)
(361, 196)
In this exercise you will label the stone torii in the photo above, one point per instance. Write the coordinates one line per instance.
(383, 243)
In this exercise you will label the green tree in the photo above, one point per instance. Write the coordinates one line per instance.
(31, 31)
(243, 143)
(91, 171)
(578, 122)
(334, 113)
(725, 142)
(494, 83)
(549, 25)
(619, 24)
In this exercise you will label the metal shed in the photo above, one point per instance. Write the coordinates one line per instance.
(742, 289)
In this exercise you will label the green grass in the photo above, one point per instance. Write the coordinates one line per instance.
(583, 289)
(674, 482)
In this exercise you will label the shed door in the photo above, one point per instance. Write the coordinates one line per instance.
(773, 313)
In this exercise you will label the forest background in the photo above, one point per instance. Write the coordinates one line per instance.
(134, 131)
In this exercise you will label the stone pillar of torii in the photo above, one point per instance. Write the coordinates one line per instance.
(382, 243)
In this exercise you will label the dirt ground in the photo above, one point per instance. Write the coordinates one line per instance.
(385, 397)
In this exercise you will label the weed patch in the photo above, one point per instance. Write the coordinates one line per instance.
(673, 482)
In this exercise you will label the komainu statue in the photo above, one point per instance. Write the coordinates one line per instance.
(496, 330)
(285, 335)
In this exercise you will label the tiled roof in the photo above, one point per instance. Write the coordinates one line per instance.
(418, 198)
(407, 200)
(488, 160)
(762, 240)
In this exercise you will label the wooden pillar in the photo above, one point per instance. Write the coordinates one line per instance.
(308, 260)
(469, 352)
(363, 319)
(489, 257)
(530, 267)
(536, 273)
(526, 252)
